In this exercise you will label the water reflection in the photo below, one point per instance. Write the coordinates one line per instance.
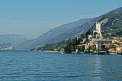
(107, 68)
(97, 69)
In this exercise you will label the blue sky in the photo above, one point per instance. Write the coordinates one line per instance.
(35, 17)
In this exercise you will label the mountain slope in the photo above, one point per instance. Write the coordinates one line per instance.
(112, 26)
(63, 32)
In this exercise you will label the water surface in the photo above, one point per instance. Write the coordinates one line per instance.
(45, 66)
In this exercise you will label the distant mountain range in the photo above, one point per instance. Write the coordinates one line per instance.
(112, 26)
(11, 40)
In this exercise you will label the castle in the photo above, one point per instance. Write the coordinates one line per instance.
(97, 32)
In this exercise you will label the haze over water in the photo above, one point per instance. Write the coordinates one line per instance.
(32, 18)
(45, 66)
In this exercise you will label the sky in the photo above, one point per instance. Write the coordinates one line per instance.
(32, 18)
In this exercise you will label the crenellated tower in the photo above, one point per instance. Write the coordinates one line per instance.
(97, 32)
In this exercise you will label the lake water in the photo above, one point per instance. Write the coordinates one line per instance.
(45, 66)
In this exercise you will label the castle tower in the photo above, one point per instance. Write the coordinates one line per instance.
(98, 27)
(97, 32)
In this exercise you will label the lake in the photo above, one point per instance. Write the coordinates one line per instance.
(49, 66)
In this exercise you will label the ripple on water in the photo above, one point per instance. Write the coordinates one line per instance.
(35, 66)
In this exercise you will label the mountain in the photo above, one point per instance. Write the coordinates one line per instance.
(112, 23)
(11, 39)
(63, 32)
(117, 11)
(112, 26)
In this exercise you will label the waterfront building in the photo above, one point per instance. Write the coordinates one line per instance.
(104, 42)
